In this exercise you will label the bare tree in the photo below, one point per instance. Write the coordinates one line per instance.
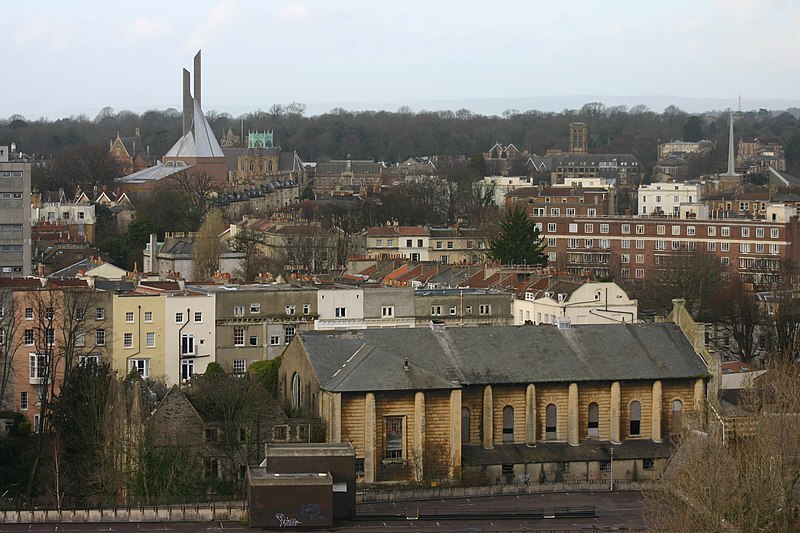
(207, 248)
(10, 340)
(251, 243)
(735, 311)
(198, 187)
(742, 480)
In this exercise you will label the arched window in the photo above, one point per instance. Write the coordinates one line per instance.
(636, 418)
(296, 392)
(676, 424)
(465, 418)
(508, 424)
(594, 420)
(551, 417)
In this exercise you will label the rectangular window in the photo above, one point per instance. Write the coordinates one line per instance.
(288, 333)
(452, 310)
(676, 245)
(253, 340)
(773, 233)
(676, 230)
(639, 229)
(712, 231)
(588, 243)
(255, 308)
(239, 366)
(591, 212)
(555, 211)
(588, 228)
(394, 437)
(290, 309)
(745, 232)
(198, 316)
(551, 256)
(625, 272)
(37, 368)
(29, 313)
(275, 340)
(141, 366)
(626, 229)
(625, 258)
(100, 313)
(438, 245)
(774, 249)
(150, 339)
(340, 312)
(648, 464)
(436, 310)
(100, 337)
(387, 311)
(485, 309)
(148, 316)
(551, 227)
(187, 369)
(725, 231)
(626, 243)
(129, 317)
(640, 273)
(80, 339)
(605, 244)
(661, 245)
(572, 243)
(744, 247)
(759, 233)
(179, 318)
(570, 211)
(127, 340)
(238, 336)
(724, 246)
(711, 246)
(603, 228)
(29, 337)
(23, 401)
(238, 310)
(187, 344)
(573, 228)
(449, 245)
(690, 230)
(551, 242)
(661, 229)
(306, 309)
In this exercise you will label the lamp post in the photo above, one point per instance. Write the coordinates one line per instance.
(611, 469)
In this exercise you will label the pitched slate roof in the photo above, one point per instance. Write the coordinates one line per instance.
(373, 360)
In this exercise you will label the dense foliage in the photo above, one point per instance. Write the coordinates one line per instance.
(393, 137)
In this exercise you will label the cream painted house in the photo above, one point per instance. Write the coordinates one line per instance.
(579, 303)
(189, 334)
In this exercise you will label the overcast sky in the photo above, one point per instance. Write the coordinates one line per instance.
(65, 58)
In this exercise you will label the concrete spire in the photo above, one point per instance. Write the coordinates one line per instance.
(731, 173)
(188, 106)
(197, 77)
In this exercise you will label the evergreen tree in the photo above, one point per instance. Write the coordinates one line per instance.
(517, 240)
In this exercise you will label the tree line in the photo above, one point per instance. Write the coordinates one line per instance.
(395, 136)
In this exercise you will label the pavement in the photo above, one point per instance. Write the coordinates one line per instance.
(615, 511)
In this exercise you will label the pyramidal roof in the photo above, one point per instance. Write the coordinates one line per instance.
(199, 141)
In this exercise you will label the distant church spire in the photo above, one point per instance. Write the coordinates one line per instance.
(731, 173)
